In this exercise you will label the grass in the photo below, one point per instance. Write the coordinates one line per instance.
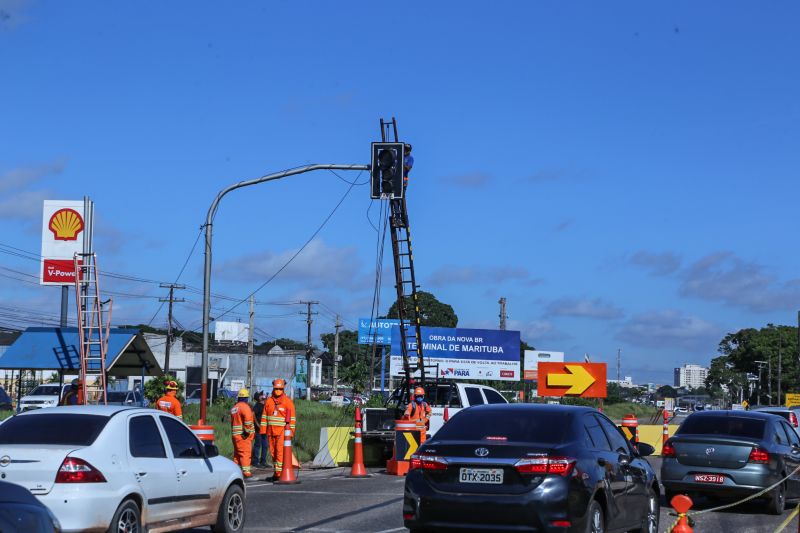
(6, 414)
(311, 416)
(616, 411)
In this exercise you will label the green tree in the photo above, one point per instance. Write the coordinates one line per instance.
(432, 311)
(349, 349)
(665, 391)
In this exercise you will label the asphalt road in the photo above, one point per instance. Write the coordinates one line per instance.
(325, 501)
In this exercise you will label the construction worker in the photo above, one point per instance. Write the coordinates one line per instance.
(169, 402)
(273, 424)
(408, 162)
(260, 447)
(243, 432)
(71, 397)
(419, 410)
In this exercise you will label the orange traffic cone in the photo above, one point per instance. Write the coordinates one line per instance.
(358, 469)
(682, 504)
(287, 474)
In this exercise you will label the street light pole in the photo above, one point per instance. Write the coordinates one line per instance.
(760, 366)
(212, 211)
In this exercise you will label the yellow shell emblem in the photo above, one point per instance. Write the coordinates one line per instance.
(66, 224)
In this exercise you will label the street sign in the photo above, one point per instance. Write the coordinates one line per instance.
(378, 330)
(64, 224)
(584, 380)
(530, 365)
(792, 399)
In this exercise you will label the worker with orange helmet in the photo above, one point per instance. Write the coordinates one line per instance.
(169, 402)
(243, 432)
(72, 396)
(419, 408)
(278, 408)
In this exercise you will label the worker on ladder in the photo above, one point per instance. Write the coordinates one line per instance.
(420, 412)
(72, 396)
(169, 402)
(243, 432)
(408, 163)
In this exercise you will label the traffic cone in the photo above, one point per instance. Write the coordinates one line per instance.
(358, 469)
(682, 503)
(446, 415)
(287, 474)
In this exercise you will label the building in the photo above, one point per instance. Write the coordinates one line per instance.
(626, 383)
(693, 376)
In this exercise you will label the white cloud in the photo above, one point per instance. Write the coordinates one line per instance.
(450, 275)
(584, 308)
(670, 329)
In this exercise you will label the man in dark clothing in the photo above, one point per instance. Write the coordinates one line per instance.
(260, 447)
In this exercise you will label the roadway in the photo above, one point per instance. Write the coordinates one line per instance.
(325, 501)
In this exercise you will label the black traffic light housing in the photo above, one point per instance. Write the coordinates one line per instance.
(387, 170)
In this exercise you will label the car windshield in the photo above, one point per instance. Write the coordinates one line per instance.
(59, 429)
(734, 426)
(511, 425)
(45, 390)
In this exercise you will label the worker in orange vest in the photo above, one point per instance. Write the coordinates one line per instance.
(169, 403)
(243, 432)
(273, 424)
(420, 412)
(72, 396)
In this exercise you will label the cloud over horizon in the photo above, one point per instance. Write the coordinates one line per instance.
(670, 329)
(584, 308)
(451, 275)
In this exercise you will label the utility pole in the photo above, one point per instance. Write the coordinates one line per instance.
(619, 353)
(309, 349)
(336, 356)
(780, 357)
(250, 343)
(760, 366)
(171, 299)
(769, 378)
(503, 315)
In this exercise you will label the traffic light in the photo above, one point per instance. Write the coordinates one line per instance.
(387, 170)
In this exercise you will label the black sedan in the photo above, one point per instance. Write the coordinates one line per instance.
(525, 467)
(733, 454)
(21, 512)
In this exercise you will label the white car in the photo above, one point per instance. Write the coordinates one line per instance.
(47, 395)
(121, 469)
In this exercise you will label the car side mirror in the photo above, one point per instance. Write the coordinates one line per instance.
(211, 449)
(645, 449)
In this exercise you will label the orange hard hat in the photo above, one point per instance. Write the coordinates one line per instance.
(171, 385)
(278, 384)
(419, 391)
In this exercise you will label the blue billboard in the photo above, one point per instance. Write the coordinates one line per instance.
(460, 353)
(378, 330)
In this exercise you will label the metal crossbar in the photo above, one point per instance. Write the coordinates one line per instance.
(94, 320)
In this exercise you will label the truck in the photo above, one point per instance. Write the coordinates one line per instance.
(378, 422)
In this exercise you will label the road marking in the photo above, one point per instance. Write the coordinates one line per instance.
(392, 530)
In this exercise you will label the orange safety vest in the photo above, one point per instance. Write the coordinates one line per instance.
(170, 404)
(242, 426)
(421, 412)
(273, 419)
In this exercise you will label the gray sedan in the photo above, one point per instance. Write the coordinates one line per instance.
(733, 454)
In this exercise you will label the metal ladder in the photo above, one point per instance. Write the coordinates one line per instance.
(408, 310)
(94, 319)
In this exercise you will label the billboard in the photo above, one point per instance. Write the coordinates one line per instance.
(461, 353)
(583, 380)
(530, 366)
(63, 227)
(230, 331)
(378, 330)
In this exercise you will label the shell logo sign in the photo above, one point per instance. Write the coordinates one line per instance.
(66, 224)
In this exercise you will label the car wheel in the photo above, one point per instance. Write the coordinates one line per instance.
(230, 518)
(595, 521)
(777, 500)
(127, 519)
(650, 523)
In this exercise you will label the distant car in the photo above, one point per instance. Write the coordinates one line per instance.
(122, 469)
(682, 410)
(6, 404)
(791, 414)
(21, 512)
(131, 398)
(733, 454)
(47, 395)
(528, 467)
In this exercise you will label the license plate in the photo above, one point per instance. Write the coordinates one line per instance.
(709, 478)
(481, 475)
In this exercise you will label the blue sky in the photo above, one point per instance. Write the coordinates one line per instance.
(625, 177)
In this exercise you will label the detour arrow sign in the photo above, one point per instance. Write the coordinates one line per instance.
(585, 380)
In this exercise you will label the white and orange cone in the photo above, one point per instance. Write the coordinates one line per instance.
(287, 474)
(358, 469)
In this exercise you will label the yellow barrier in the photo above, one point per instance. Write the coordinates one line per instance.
(654, 435)
(336, 446)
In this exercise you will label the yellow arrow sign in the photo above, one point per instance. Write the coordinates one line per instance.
(578, 379)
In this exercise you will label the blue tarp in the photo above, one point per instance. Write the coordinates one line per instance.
(58, 349)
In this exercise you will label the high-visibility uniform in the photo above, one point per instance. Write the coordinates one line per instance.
(243, 432)
(421, 414)
(170, 404)
(273, 424)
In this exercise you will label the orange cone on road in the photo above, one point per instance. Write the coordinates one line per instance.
(358, 469)
(287, 474)
(682, 504)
